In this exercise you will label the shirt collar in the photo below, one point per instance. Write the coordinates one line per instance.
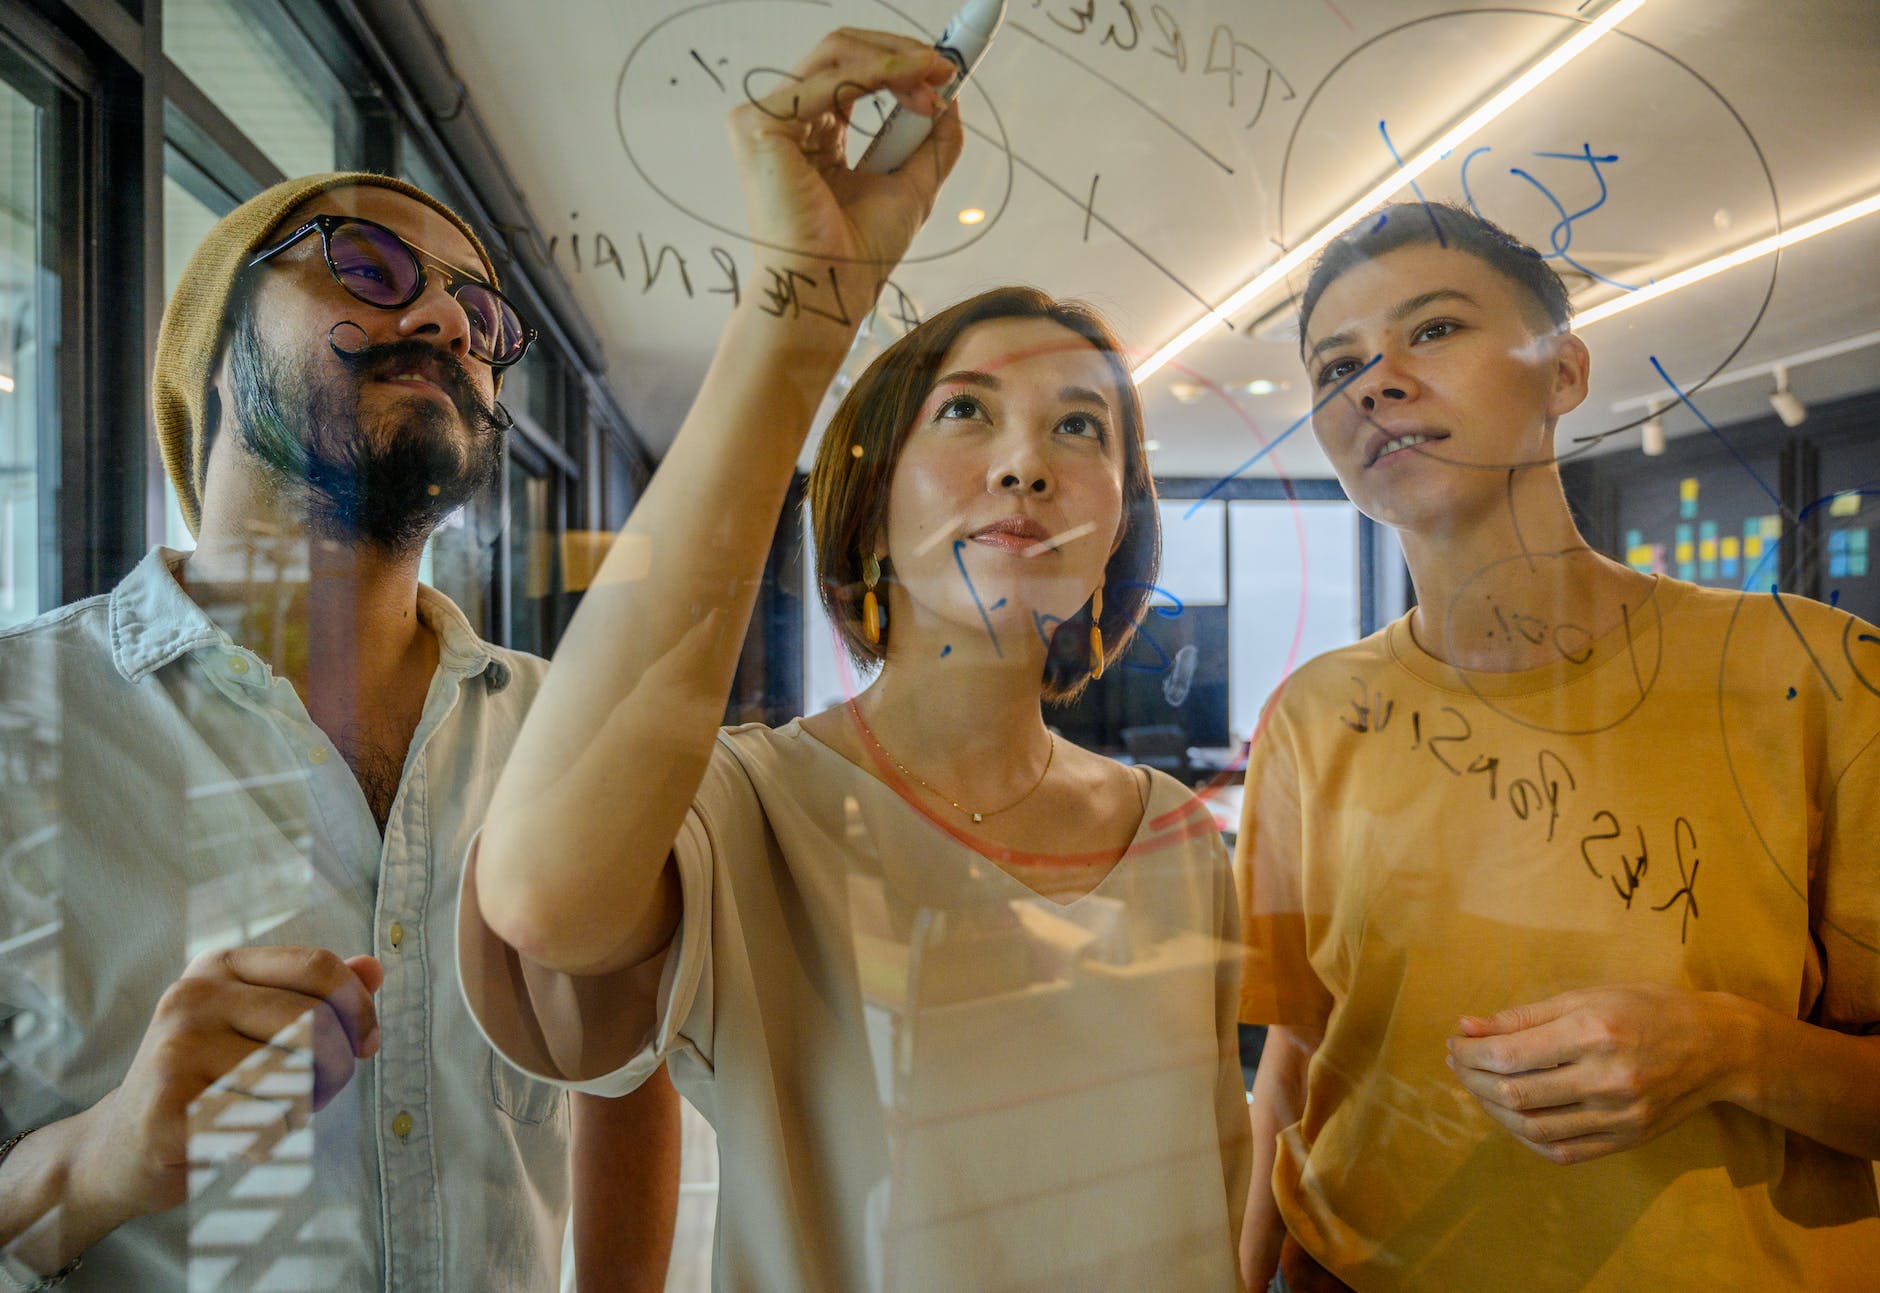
(459, 649)
(153, 622)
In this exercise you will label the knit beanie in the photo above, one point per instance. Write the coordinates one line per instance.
(195, 323)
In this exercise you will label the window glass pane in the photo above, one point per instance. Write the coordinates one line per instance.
(1294, 594)
(531, 558)
(415, 168)
(1194, 553)
(459, 558)
(29, 305)
(288, 106)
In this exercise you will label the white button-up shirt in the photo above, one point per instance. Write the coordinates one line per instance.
(161, 793)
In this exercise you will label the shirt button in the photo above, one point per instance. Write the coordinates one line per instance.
(401, 1125)
(396, 934)
(238, 664)
(317, 754)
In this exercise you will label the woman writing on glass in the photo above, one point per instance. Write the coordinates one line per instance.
(957, 996)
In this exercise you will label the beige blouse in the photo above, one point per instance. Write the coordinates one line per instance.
(923, 1074)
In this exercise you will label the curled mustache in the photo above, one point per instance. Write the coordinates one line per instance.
(393, 357)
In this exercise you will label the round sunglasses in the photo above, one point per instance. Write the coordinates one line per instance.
(380, 268)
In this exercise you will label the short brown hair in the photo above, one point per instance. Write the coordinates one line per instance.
(1442, 224)
(848, 493)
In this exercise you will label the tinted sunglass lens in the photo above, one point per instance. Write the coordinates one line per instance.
(372, 264)
(495, 328)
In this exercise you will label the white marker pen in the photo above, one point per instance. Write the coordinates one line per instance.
(964, 44)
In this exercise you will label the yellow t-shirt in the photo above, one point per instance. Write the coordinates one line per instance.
(1689, 800)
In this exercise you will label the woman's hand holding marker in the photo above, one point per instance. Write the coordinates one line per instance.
(803, 200)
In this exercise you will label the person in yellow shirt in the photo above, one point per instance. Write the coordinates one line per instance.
(1557, 893)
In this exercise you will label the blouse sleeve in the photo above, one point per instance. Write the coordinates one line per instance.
(606, 1034)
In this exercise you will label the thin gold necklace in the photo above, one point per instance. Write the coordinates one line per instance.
(1049, 754)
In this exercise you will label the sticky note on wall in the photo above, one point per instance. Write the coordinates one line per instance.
(1845, 504)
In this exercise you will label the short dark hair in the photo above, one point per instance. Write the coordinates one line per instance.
(1416, 224)
(848, 490)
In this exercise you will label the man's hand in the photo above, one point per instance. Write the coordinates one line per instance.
(1598, 1070)
(133, 1154)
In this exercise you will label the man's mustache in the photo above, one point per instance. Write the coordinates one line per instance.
(413, 356)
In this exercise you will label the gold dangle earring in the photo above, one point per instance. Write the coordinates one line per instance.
(871, 606)
(1096, 633)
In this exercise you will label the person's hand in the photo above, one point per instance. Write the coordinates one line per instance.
(1597, 1070)
(226, 1006)
(802, 199)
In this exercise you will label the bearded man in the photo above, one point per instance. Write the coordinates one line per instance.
(234, 796)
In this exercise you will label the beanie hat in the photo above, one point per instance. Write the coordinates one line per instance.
(195, 323)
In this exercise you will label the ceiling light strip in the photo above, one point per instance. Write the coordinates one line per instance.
(1507, 97)
(1730, 260)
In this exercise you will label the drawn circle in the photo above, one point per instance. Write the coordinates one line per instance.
(973, 87)
(1582, 444)
(1847, 649)
(1644, 682)
(1800, 889)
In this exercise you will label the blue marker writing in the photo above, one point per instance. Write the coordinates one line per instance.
(963, 43)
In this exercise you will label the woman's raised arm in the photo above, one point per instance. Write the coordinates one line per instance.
(574, 869)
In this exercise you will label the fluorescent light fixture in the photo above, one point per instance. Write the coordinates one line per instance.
(972, 215)
(1265, 385)
(1730, 260)
(1451, 139)
(6, 384)
(1784, 401)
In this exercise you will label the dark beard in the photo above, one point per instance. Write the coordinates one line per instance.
(389, 490)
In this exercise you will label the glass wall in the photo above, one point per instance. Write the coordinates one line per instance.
(1422, 829)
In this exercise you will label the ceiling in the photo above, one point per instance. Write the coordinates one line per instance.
(1153, 185)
